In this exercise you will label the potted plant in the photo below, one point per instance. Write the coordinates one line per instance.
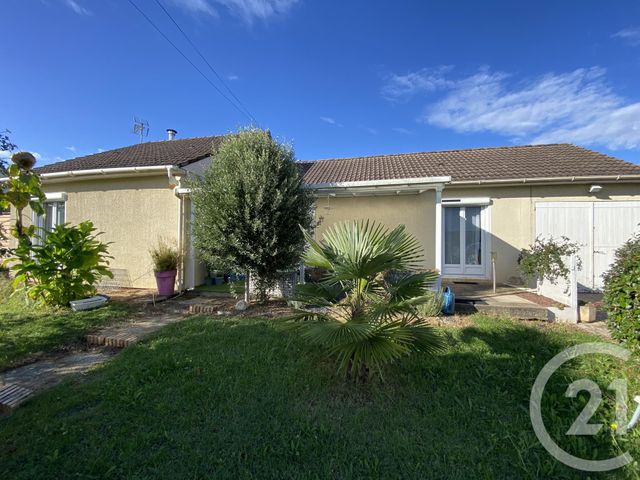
(165, 266)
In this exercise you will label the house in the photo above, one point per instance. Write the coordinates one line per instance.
(473, 210)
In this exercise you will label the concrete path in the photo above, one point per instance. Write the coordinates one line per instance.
(20, 383)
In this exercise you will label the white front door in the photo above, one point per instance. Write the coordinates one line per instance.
(464, 241)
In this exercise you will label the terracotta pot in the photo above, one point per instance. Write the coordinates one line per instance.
(166, 282)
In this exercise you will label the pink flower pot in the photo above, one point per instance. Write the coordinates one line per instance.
(166, 282)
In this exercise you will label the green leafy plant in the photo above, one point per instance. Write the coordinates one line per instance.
(433, 306)
(65, 265)
(544, 259)
(248, 207)
(365, 318)
(165, 256)
(622, 294)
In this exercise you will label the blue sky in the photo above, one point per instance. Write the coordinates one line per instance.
(335, 78)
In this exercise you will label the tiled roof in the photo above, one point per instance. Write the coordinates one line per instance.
(147, 154)
(498, 163)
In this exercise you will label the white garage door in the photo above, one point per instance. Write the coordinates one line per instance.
(598, 227)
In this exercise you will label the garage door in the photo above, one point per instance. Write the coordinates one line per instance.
(598, 227)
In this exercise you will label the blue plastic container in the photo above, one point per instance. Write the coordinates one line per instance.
(449, 303)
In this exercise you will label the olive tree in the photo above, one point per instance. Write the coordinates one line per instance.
(249, 207)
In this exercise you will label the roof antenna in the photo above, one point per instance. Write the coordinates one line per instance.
(140, 127)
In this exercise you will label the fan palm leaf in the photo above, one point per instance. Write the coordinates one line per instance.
(363, 315)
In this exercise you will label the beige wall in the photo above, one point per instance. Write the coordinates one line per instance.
(513, 217)
(511, 212)
(416, 212)
(132, 213)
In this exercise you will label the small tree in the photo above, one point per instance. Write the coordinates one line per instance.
(249, 207)
(21, 190)
(622, 294)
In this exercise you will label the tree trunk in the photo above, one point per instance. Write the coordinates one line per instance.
(246, 287)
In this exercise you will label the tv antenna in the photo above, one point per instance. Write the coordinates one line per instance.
(140, 127)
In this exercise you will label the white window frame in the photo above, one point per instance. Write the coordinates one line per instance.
(55, 199)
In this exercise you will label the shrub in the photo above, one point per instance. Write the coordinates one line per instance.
(433, 306)
(165, 256)
(64, 266)
(544, 259)
(365, 318)
(622, 294)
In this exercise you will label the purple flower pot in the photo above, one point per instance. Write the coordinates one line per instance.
(166, 282)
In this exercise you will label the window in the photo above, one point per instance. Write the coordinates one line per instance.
(54, 215)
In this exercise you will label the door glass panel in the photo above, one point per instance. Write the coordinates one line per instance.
(473, 236)
(452, 235)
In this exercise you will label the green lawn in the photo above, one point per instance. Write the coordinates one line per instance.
(27, 331)
(210, 398)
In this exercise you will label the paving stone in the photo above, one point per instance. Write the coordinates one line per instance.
(13, 395)
(19, 383)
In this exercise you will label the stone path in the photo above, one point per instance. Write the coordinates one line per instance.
(20, 383)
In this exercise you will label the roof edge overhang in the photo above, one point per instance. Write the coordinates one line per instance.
(119, 172)
(396, 186)
(547, 180)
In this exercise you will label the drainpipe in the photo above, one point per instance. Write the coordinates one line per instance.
(174, 182)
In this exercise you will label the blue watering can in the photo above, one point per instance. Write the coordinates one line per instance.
(449, 301)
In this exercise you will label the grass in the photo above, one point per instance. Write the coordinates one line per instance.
(238, 286)
(210, 398)
(27, 331)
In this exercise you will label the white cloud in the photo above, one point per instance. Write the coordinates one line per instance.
(630, 35)
(232, 77)
(247, 10)
(330, 121)
(76, 7)
(398, 87)
(72, 149)
(371, 130)
(403, 131)
(575, 107)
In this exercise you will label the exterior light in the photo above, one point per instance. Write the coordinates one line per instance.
(595, 188)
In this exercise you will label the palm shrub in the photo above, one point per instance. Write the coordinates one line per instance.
(361, 315)
(622, 294)
(65, 265)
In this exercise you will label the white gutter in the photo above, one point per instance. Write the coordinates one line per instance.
(112, 171)
(379, 183)
(574, 179)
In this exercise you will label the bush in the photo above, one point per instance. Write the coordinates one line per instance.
(165, 257)
(622, 294)
(365, 318)
(433, 306)
(65, 266)
(544, 259)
